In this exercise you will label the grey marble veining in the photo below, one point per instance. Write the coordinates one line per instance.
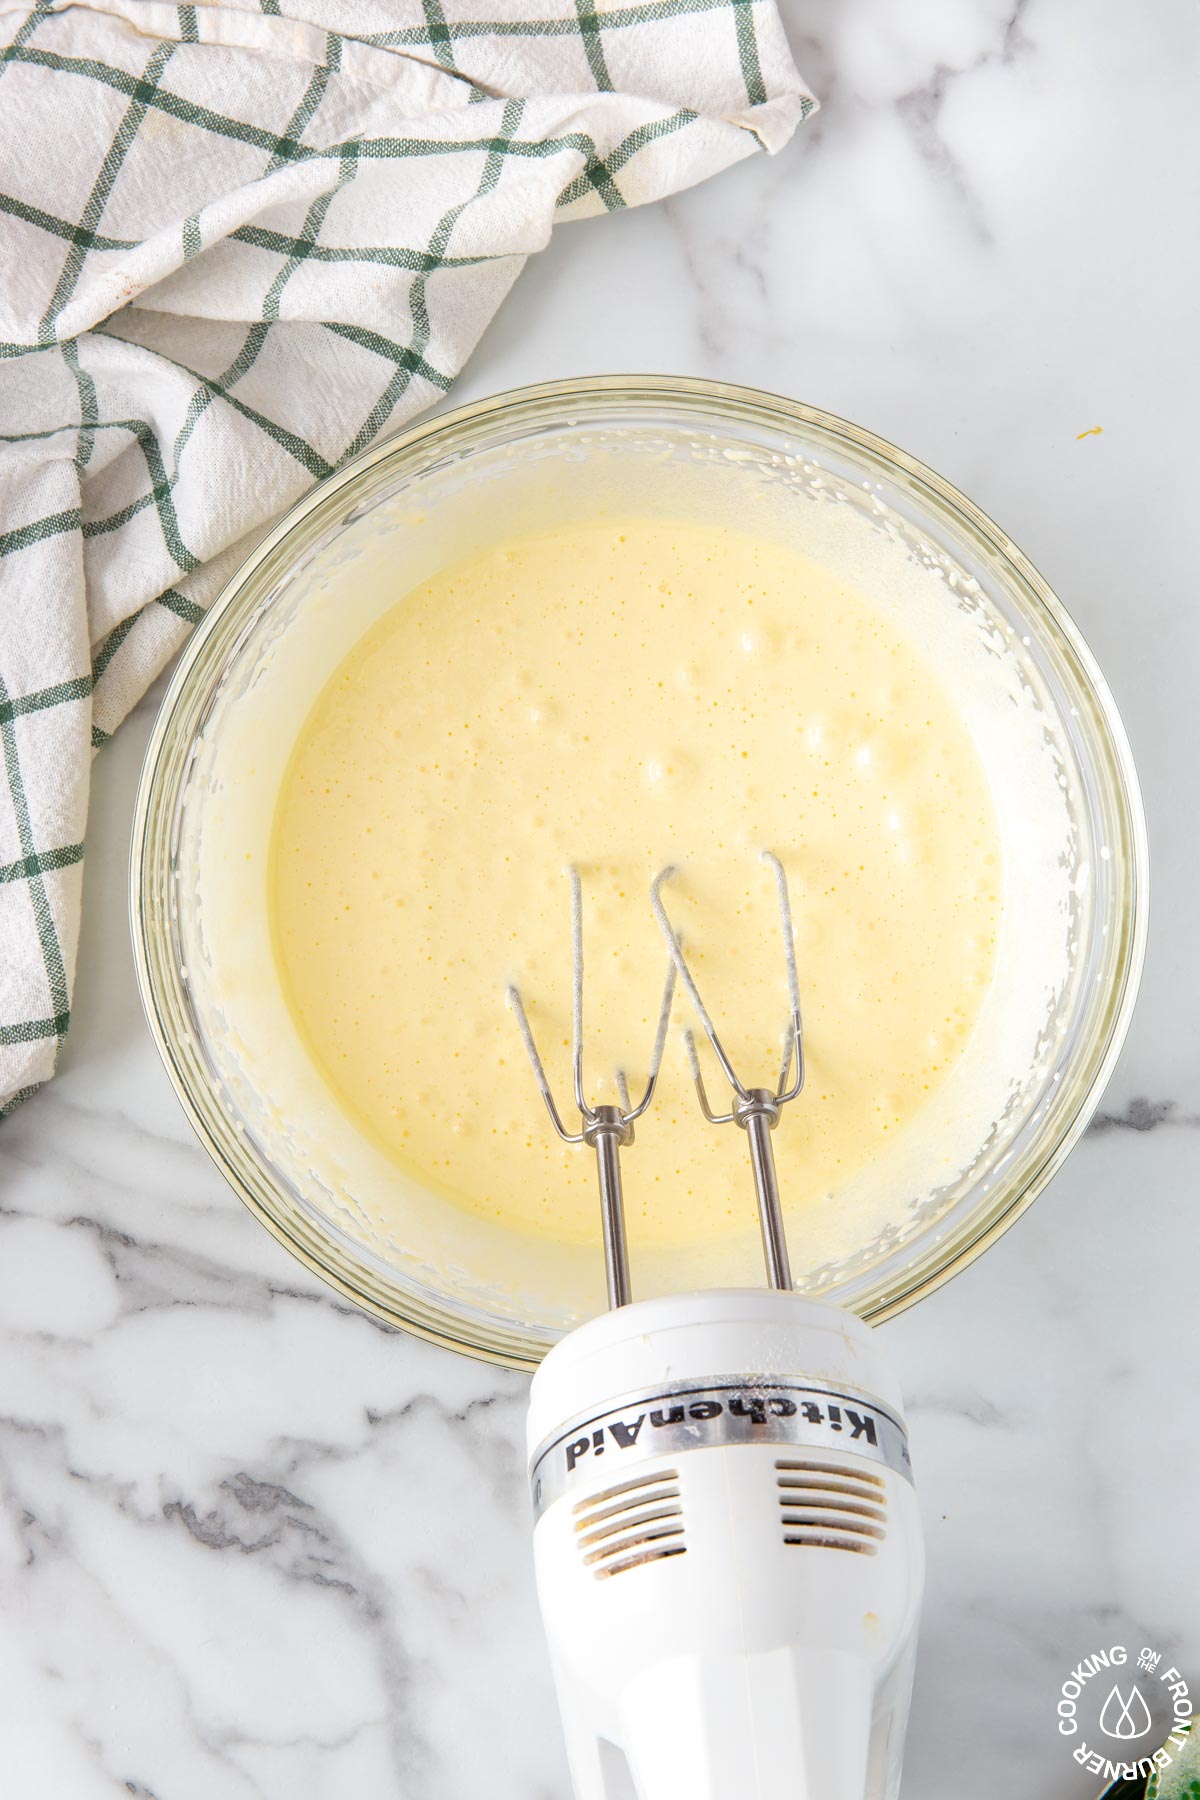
(255, 1546)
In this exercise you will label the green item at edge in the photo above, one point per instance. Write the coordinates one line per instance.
(1180, 1780)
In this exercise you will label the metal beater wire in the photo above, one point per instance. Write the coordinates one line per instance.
(516, 1006)
(795, 1038)
(577, 987)
(675, 950)
(656, 1054)
(629, 1114)
(794, 1041)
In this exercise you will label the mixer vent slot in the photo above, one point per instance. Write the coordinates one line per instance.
(636, 1522)
(831, 1507)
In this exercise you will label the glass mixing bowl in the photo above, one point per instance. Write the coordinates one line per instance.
(460, 482)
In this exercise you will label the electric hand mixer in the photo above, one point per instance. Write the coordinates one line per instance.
(726, 1539)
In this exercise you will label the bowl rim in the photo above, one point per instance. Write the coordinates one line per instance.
(733, 400)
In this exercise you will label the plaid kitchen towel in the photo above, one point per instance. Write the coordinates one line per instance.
(237, 243)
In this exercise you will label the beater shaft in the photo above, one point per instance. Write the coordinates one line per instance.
(758, 1126)
(607, 1145)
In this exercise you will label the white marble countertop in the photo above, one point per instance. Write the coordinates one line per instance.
(253, 1546)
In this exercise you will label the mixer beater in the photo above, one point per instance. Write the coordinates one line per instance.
(726, 1539)
(756, 1110)
(607, 1129)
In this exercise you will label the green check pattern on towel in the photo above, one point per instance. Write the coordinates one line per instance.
(236, 245)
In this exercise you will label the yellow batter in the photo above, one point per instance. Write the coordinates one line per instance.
(621, 695)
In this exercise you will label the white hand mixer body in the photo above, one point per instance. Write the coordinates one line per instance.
(727, 1545)
(727, 1549)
